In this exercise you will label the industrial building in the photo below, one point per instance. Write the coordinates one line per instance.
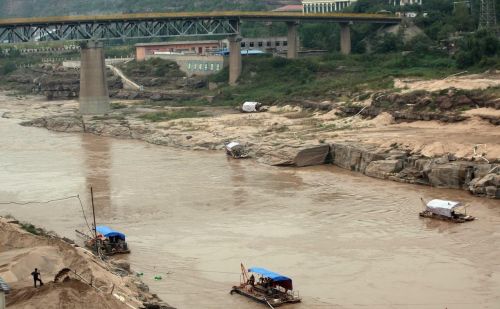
(271, 44)
(142, 50)
(209, 56)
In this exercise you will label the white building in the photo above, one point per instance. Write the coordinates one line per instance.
(325, 6)
(405, 2)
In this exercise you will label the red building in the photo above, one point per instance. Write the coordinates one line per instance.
(177, 47)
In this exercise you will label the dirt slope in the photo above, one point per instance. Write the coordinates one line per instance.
(21, 252)
(72, 294)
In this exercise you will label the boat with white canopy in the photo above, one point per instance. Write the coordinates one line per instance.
(446, 210)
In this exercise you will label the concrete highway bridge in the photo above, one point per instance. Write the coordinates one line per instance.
(92, 30)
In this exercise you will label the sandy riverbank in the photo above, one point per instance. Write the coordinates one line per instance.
(21, 252)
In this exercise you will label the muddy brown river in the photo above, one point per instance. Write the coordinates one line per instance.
(348, 241)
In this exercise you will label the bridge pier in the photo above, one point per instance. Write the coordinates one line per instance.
(345, 38)
(234, 59)
(94, 96)
(293, 40)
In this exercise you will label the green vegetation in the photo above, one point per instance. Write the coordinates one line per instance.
(480, 49)
(379, 56)
(118, 105)
(446, 23)
(20, 8)
(9, 59)
(154, 67)
(277, 80)
(192, 102)
(120, 51)
(189, 112)
(32, 229)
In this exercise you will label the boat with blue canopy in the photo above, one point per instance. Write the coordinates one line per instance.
(109, 233)
(109, 241)
(269, 288)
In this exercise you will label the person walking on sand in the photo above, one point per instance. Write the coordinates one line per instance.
(36, 277)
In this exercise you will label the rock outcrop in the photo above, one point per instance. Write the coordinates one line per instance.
(488, 185)
(296, 156)
(54, 82)
(58, 123)
(444, 106)
(445, 172)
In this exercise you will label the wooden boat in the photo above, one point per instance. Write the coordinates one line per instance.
(109, 242)
(445, 210)
(271, 288)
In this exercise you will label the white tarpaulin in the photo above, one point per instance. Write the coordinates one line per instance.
(250, 107)
(232, 145)
(442, 207)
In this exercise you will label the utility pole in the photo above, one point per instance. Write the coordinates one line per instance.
(487, 17)
(95, 226)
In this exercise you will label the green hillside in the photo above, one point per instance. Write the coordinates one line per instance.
(31, 8)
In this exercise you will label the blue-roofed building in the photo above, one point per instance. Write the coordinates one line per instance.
(4, 289)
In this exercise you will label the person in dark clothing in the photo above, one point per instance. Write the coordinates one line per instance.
(36, 277)
(251, 281)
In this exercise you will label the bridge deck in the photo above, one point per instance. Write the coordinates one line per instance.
(230, 15)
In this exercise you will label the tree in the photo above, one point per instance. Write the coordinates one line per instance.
(419, 44)
(320, 36)
(477, 48)
(387, 43)
(8, 68)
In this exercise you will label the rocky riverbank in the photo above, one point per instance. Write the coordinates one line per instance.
(73, 278)
(431, 152)
(480, 178)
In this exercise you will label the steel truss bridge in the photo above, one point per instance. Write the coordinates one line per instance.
(158, 25)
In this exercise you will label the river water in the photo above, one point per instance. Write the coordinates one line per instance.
(348, 241)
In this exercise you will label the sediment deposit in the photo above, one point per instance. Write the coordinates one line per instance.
(90, 284)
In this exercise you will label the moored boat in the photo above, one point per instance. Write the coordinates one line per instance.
(445, 210)
(236, 150)
(109, 241)
(271, 288)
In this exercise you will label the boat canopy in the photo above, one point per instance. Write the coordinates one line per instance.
(108, 232)
(232, 145)
(277, 278)
(442, 207)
